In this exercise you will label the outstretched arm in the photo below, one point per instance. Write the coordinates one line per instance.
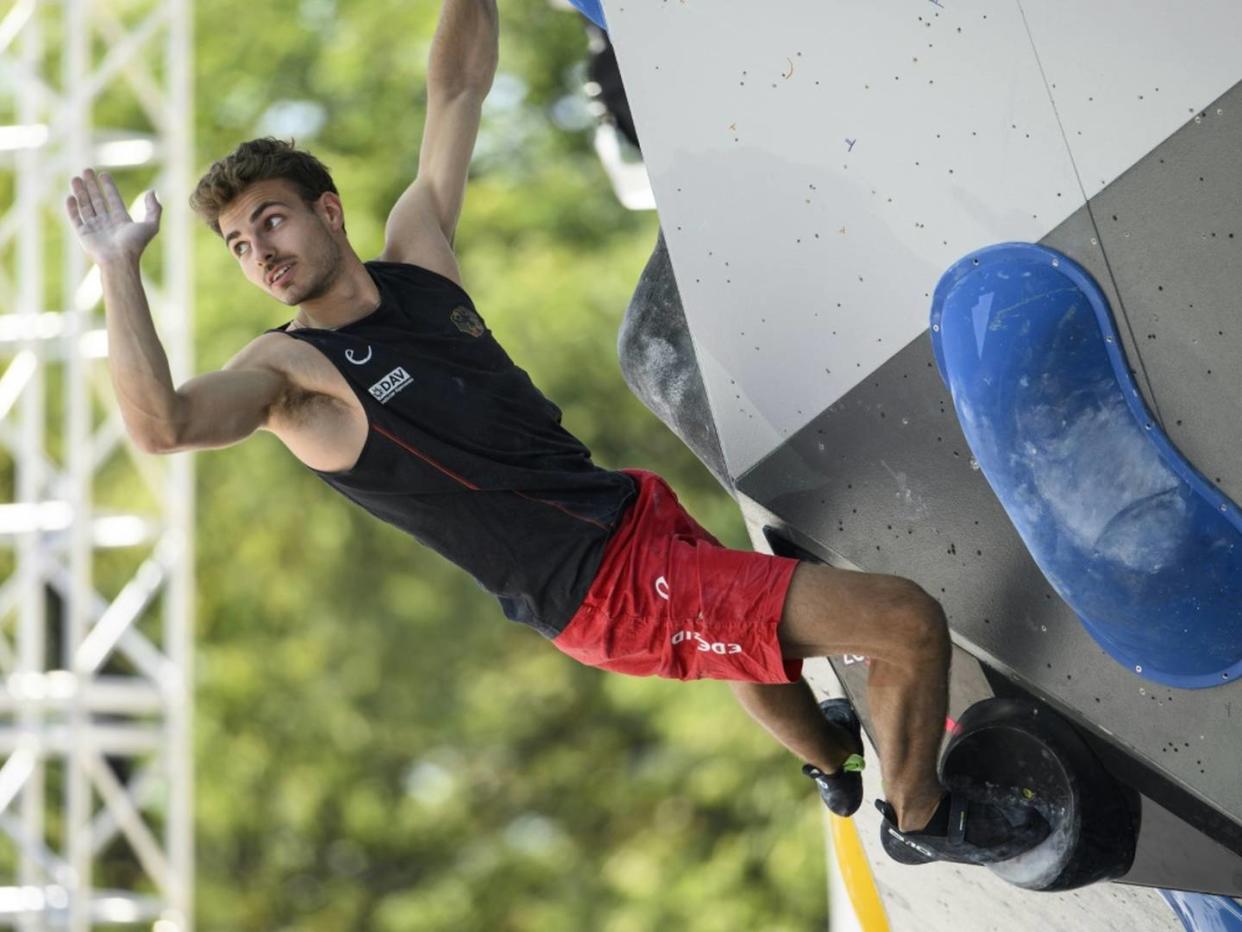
(465, 49)
(464, 54)
(213, 410)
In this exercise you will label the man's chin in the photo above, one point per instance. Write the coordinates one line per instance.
(287, 297)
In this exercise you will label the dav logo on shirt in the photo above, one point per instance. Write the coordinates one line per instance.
(390, 384)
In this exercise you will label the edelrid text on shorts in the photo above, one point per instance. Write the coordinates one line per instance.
(706, 646)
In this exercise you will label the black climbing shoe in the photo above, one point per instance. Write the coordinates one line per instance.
(966, 831)
(842, 791)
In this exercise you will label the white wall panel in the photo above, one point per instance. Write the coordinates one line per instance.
(1124, 77)
(819, 163)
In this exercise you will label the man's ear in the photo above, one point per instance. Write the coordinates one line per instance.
(330, 210)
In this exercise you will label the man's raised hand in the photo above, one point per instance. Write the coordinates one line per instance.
(103, 225)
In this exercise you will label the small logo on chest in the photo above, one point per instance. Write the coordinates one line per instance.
(390, 384)
(349, 354)
(467, 321)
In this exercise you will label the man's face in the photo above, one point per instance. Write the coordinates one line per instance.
(285, 246)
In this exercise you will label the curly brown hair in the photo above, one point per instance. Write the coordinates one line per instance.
(258, 160)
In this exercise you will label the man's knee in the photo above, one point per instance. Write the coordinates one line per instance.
(887, 617)
(922, 624)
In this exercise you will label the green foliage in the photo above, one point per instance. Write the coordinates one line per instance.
(377, 748)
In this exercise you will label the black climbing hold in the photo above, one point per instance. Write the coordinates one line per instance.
(999, 744)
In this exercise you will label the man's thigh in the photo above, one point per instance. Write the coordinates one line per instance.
(668, 600)
(723, 610)
(829, 612)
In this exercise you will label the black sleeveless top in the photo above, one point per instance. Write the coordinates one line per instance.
(465, 454)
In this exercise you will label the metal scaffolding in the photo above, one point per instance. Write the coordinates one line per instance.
(95, 537)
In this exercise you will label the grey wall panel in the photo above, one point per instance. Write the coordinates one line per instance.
(884, 478)
(1165, 242)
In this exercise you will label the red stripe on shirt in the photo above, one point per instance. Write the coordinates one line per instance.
(425, 458)
(470, 485)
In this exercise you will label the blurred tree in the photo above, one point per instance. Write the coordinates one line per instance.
(377, 748)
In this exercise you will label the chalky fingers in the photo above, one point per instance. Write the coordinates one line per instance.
(82, 196)
(98, 204)
(111, 196)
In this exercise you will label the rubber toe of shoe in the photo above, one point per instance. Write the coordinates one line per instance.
(979, 833)
(841, 792)
(841, 713)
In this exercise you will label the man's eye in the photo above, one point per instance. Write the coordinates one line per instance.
(240, 249)
(273, 220)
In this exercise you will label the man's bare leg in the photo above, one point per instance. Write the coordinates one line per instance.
(791, 715)
(903, 631)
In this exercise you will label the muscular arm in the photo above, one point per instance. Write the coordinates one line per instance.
(136, 360)
(210, 411)
(464, 54)
(465, 49)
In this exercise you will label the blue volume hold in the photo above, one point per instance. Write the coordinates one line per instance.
(592, 10)
(1203, 912)
(1145, 550)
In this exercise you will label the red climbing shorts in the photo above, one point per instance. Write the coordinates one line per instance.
(669, 600)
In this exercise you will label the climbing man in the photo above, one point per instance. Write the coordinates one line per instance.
(389, 386)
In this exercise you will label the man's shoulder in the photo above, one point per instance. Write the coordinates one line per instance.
(419, 268)
(271, 350)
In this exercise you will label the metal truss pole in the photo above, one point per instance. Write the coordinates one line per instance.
(95, 607)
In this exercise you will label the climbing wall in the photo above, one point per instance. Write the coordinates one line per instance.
(817, 170)
(883, 480)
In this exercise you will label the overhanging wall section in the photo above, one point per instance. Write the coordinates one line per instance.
(817, 168)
